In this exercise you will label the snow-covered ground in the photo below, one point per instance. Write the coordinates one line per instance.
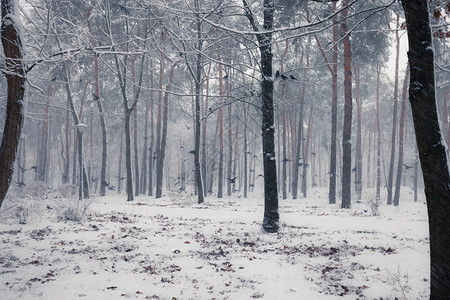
(171, 248)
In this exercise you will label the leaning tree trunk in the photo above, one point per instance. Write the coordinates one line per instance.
(347, 133)
(271, 213)
(430, 144)
(15, 77)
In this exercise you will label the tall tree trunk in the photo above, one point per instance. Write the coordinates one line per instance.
(246, 152)
(15, 77)
(347, 133)
(378, 147)
(163, 143)
(77, 120)
(204, 126)
(97, 99)
(152, 136)
(119, 169)
(333, 68)
(128, 168)
(298, 148)
(358, 150)
(284, 132)
(369, 151)
(145, 152)
(221, 154)
(334, 98)
(394, 119)
(306, 150)
(430, 143)
(66, 167)
(198, 90)
(230, 135)
(43, 156)
(271, 213)
(401, 139)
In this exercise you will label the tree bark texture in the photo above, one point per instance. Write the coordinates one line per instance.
(432, 153)
(347, 133)
(15, 77)
(271, 213)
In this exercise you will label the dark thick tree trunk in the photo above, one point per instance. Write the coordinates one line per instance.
(347, 133)
(15, 77)
(401, 140)
(271, 213)
(430, 143)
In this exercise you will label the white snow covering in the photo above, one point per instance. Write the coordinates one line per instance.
(171, 248)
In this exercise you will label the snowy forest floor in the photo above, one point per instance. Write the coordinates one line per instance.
(171, 248)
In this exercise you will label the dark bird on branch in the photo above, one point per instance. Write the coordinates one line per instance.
(248, 152)
(313, 153)
(251, 170)
(232, 180)
(277, 74)
(105, 183)
(20, 184)
(95, 97)
(187, 126)
(292, 77)
(111, 188)
(407, 167)
(34, 167)
(284, 77)
(225, 77)
(120, 178)
(192, 152)
(286, 160)
(354, 169)
(252, 93)
(54, 78)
